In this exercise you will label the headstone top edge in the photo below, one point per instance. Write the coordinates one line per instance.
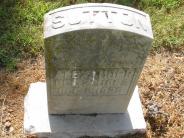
(93, 5)
(55, 21)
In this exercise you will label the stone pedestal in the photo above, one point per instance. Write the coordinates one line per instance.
(38, 121)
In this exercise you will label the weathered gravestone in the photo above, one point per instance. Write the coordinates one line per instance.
(94, 55)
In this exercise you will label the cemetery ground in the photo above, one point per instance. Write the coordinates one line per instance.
(161, 85)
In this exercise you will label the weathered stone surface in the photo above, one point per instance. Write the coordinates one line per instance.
(38, 121)
(94, 56)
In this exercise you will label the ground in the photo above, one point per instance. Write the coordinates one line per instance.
(161, 85)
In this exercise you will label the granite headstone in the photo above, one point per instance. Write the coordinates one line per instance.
(94, 55)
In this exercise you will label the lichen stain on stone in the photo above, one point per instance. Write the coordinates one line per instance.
(91, 49)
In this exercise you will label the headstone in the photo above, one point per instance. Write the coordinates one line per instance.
(94, 55)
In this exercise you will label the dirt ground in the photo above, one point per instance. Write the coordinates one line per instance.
(161, 85)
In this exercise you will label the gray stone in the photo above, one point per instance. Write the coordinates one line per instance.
(38, 121)
(94, 56)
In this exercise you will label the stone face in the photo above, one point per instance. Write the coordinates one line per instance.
(38, 121)
(94, 56)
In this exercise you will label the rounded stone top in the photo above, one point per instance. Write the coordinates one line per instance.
(97, 16)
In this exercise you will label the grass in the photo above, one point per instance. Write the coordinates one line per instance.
(167, 22)
(21, 30)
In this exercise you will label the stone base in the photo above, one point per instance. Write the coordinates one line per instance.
(38, 121)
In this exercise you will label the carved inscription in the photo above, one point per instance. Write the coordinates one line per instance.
(57, 22)
(114, 16)
(92, 83)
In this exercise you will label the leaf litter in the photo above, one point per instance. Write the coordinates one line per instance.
(161, 86)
